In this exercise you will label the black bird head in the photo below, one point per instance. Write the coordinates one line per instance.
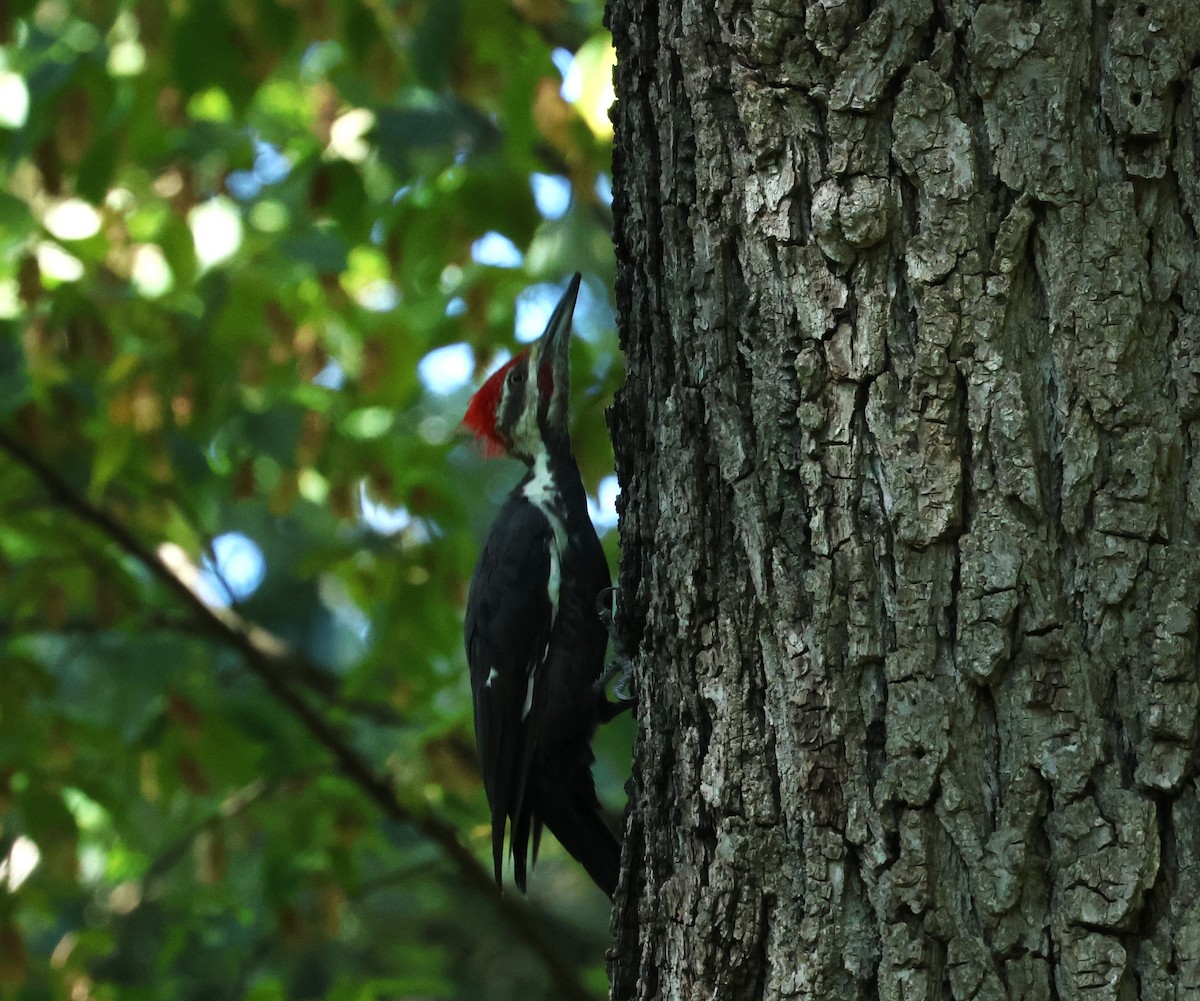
(523, 408)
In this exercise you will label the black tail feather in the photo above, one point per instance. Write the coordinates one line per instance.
(520, 847)
(588, 840)
(498, 824)
(571, 812)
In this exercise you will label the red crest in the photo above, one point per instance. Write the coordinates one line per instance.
(480, 418)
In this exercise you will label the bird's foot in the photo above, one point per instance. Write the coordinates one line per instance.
(620, 667)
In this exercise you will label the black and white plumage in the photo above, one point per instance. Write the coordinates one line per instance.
(535, 641)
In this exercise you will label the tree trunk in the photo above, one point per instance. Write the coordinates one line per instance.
(911, 308)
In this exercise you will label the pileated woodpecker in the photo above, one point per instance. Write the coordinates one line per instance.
(535, 639)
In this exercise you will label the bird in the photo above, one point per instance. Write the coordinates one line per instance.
(535, 640)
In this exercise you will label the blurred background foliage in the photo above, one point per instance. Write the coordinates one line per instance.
(254, 257)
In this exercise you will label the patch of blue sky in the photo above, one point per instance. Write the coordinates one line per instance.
(242, 184)
(270, 167)
(380, 518)
(448, 369)
(332, 376)
(603, 509)
(235, 570)
(551, 194)
(379, 296)
(499, 360)
(497, 251)
(603, 188)
(564, 61)
(536, 304)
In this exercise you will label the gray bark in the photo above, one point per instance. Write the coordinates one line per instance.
(911, 305)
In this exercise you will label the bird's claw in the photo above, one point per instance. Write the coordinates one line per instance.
(621, 666)
(623, 689)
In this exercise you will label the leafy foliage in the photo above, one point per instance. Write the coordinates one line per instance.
(249, 270)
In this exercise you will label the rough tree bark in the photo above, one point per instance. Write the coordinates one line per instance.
(911, 305)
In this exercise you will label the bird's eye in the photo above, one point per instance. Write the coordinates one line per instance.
(516, 376)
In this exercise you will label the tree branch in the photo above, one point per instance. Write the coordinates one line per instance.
(266, 656)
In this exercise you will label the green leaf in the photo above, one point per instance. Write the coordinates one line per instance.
(15, 389)
(368, 423)
(435, 41)
(323, 251)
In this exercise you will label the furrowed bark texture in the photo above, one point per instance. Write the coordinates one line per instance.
(911, 303)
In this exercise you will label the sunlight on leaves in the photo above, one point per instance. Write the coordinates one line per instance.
(150, 273)
(217, 231)
(14, 100)
(590, 82)
(72, 219)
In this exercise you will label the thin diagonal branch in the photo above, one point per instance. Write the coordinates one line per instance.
(266, 656)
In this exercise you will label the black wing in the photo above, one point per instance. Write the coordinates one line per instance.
(508, 623)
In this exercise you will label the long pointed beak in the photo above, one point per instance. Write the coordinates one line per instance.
(550, 358)
(552, 345)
